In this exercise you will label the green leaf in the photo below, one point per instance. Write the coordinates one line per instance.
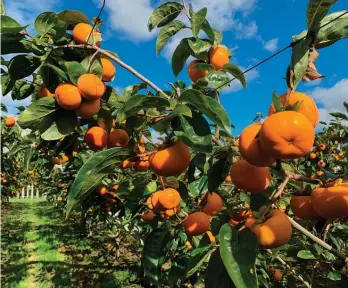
(59, 72)
(72, 18)
(203, 66)
(164, 14)
(217, 37)
(163, 124)
(3, 108)
(75, 70)
(96, 67)
(140, 102)
(199, 186)
(339, 115)
(7, 37)
(208, 30)
(346, 105)
(22, 66)
(197, 20)
(2, 8)
(218, 79)
(7, 84)
(257, 200)
(132, 90)
(316, 11)
(22, 90)
(180, 55)
(194, 132)
(9, 25)
(216, 275)
(92, 173)
(39, 115)
(276, 102)
(167, 32)
(48, 23)
(208, 106)
(334, 275)
(196, 261)
(235, 72)
(218, 172)
(305, 254)
(299, 62)
(199, 48)
(64, 124)
(238, 253)
(20, 108)
(105, 118)
(154, 253)
(330, 33)
(22, 46)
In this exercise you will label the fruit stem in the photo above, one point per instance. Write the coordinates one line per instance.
(185, 9)
(90, 62)
(299, 277)
(117, 60)
(318, 240)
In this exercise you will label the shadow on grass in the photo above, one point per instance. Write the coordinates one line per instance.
(87, 262)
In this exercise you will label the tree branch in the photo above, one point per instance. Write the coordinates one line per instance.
(185, 9)
(293, 272)
(318, 240)
(118, 61)
(90, 62)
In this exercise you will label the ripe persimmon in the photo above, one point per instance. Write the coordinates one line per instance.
(56, 161)
(331, 202)
(218, 57)
(141, 166)
(313, 156)
(250, 178)
(148, 216)
(102, 190)
(126, 164)
(82, 31)
(228, 179)
(320, 173)
(196, 223)
(274, 232)
(250, 147)
(287, 135)
(307, 106)
(68, 96)
(118, 138)
(44, 92)
(195, 74)
(153, 203)
(302, 207)
(109, 70)
(213, 203)
(10, 121)
(88, 109)
(96, 138)
(64, 158)
(90, 86)
(168, 198)
(322, 147)
(171, 161)
(276, 274)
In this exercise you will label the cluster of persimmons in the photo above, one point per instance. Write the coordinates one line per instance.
(84, 98)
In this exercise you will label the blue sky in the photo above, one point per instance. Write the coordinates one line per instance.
(252, 29)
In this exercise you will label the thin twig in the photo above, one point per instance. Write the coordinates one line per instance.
(327, 228)
(280, 189)
(118, 61)
(91, 60)
(318, 240)
(185, 9)
(293, 272)
(176, 89)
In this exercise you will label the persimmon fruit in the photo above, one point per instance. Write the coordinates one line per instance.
(302, 207)
(118, 138)
(195, 74)
(250, 178)
(88, 109)
(82, 31)
(287, 135)
(44, 92)
(90, 86)
(68, 96)
(213, 203)
(171, 161)
(250, 147)
(108, 71)
(96, 138)
(196, 223)
(10, 121)
(218, 57)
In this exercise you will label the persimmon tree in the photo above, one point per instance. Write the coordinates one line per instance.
(205, 205)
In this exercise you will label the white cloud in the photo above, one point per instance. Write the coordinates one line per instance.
(271, 45)
(130, 17)
(246, 31)
(235, 84)
(25, 11)
(331, 99)
(313, 83)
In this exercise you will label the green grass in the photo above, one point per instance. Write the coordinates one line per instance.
(42, 250)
